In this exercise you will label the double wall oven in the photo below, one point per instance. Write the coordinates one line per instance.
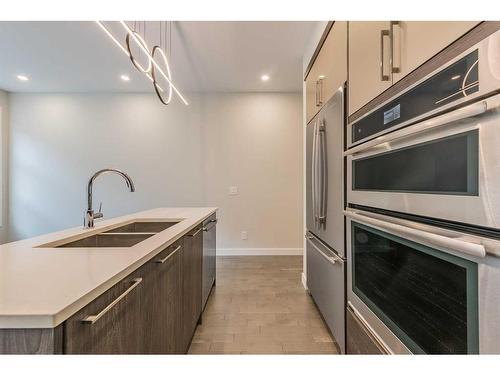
(423, 215)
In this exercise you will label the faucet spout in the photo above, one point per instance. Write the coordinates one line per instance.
(90, 212)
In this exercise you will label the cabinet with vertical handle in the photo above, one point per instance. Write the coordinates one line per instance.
(383, 52)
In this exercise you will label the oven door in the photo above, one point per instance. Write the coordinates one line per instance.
(422, 289)
(445, 168)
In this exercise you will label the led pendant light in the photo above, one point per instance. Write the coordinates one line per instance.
(152, 70)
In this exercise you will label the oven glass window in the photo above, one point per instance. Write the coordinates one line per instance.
(445, 166)
(427, 298)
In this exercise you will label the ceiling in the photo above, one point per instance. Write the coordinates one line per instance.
(205, 56)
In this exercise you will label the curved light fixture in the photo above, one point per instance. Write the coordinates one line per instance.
(140, 40)
(153, 68)
(153, 72)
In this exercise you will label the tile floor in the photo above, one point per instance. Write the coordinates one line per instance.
(260, 307)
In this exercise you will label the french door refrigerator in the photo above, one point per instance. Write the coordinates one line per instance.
(325, 253)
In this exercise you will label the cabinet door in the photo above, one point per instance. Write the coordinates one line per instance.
(111, 324)
(191, 283)
(164, 295)
(369, 61)
(415, 42)
(209, 257)
(329, 71)
(312, 104)
(332, 62)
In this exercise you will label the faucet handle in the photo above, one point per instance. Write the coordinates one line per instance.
(99, 214)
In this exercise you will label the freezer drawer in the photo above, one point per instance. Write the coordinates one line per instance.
(325, 281)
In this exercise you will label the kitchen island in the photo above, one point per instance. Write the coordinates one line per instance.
(62, 293)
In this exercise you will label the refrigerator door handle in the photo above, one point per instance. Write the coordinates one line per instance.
(323, 174)
(313, 174)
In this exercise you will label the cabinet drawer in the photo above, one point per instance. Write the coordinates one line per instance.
(112, 323)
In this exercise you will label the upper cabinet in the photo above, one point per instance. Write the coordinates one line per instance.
(381, 53)
(415, 42)
(369, 63)
(329, 70)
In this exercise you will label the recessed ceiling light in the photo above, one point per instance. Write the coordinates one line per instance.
(125, 77)
(456, 77)
(265, 77)
(22, 77)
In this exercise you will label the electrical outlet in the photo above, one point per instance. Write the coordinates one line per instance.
(233, 190)
(244, 235)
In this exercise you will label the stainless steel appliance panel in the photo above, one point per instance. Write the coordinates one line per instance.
(325, 281)
(471, 249)
(209, 257)
(444, 168)
(324, 173)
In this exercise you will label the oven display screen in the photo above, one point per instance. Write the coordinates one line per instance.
(392, 114)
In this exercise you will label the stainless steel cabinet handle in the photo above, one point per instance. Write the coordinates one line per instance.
(320, 94)
(196, 233)
(168, 256)
(91, 319)
(418, 235)
(394, 69)
(209, 228)
(334, 259)
(383, 33)
(316, 94)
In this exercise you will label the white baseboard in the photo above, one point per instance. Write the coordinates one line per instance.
(259, 251)
(304, 281)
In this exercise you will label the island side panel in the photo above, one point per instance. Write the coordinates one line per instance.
(31, 340)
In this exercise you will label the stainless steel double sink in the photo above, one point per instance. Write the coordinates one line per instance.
(126, 235)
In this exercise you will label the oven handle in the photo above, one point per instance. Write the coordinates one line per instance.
(424, 237)
(471, 110)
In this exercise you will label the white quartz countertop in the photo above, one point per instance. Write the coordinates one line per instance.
(40, 287)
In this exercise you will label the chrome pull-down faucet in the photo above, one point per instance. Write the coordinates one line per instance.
(90, 215)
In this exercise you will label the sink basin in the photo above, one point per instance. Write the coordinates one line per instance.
(109, 240)
(125, 235)
(143, 227)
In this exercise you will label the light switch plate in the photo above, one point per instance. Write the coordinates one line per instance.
(233, 190)
(244, 235)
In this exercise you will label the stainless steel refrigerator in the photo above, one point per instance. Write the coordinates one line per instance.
(325, 252)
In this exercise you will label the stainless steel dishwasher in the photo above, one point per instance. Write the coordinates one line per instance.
(209, 257)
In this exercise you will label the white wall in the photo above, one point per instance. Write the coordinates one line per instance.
(4, 184)
(254, 142)
(177, 156)
(59, 141)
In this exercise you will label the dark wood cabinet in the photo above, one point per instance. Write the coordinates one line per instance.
(164, 296)
(114, 323)
(154, 310)
(192, 270)
(359, 338)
